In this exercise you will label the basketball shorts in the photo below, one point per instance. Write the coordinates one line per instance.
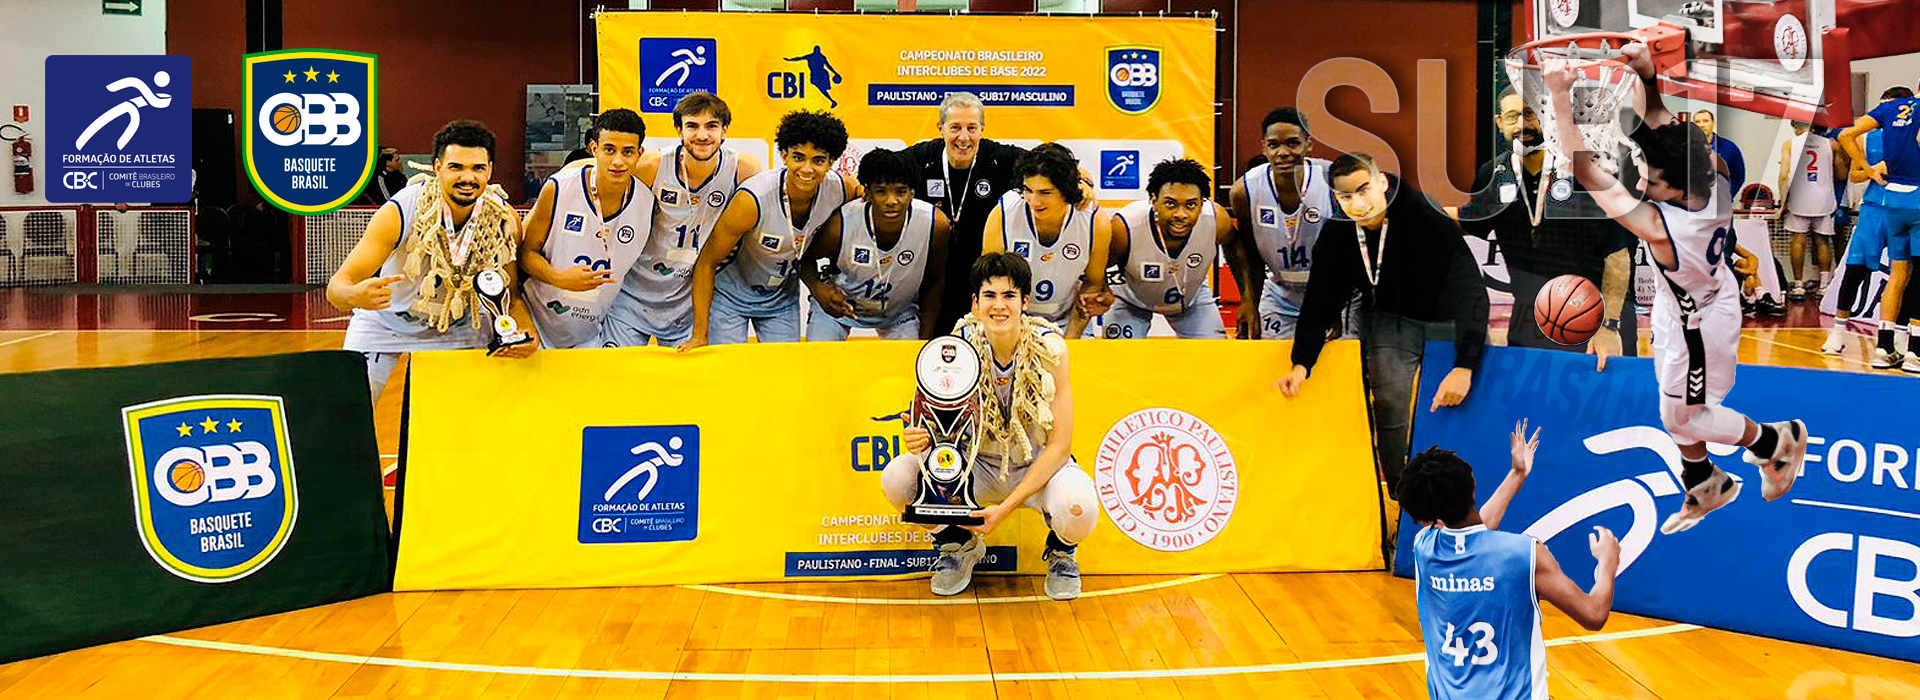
(1278, 318)
(1694, 361)
(1796, 223)
(1201, 319)
(822, 326)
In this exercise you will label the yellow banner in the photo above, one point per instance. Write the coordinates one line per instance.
(643, 466)
(1123, 93)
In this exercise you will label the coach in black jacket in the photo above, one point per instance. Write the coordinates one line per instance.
(962, 174)
(1417, 281)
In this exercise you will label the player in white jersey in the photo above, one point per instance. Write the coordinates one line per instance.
(1042, 221)
(450, 227)
(1279, 207)
(1026, 435)
(1807, 174)
(1166, 247)
(691, 186)
(888, 256)
(585, 230)
(1479, 590)
(1686, 227)
(748, 270)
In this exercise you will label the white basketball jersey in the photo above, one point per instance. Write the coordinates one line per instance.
(764, 268)
(393, 329)
(657, 292)
(1059, 267)
(1810, 184)
(580, 234)
(883, 284)
(1159, 281)
(1286, 237)
(1701, 241)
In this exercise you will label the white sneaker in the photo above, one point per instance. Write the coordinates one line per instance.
(1063, 575)
(1885, 360)
(1912, 365)
(1789, 451)
(1705, 497)
(1836, 342)
(953, 570)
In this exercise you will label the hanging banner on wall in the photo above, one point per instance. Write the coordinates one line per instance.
(762, 462)
(1123, 93)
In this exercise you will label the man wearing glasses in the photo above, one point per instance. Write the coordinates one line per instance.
(1547, 226)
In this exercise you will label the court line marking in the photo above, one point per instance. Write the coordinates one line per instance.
(1863, 509)
(1154, 673)
(1810, 351)
(795, 597)
(36, 336)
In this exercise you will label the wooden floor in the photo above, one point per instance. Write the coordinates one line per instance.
(1272, 636)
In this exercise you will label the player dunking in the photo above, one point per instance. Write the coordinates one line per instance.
(1479, 590)
(1685, 225)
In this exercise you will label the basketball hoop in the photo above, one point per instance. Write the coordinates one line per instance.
(1602, 88)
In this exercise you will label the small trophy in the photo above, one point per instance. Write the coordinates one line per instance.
(947, 405)
(494, 297)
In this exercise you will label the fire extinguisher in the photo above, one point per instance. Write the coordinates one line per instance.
(22, 159)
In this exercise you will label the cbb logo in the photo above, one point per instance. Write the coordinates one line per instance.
(190, 476)
(287, 119)
(1134, 74)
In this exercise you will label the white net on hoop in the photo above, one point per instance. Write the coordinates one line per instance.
(1601, 96)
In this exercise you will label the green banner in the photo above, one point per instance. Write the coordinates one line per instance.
(150, 499)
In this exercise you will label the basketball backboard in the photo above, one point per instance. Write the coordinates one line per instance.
(1767, 56)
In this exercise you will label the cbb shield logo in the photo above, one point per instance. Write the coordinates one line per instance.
(308, 129)
(214, 495)
(1133, 78)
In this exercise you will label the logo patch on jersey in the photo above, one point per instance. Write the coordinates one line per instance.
(625, 235)
(1269, 216)
(1194, 260)
(982, 188)
(672, 68)
(936, 187)
(575, 223)
(1166, 479)
(1071, 251)
(1561, 189)
(1022, 248)
(770, 242)
(214, 494)
(862, 255)
(308, 128)
(1133, 78)
(1046, 257)
(716, 199)
(1293, 221)
(906, 257)
(1151, 272)
(1313, 215)
(558, 308)
(670, 197)
(639, 484)
(886, 260)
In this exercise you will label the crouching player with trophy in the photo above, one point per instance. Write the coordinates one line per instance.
(1021, 410)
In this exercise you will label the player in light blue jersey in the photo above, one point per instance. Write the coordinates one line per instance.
(1479, 589)
(1870, 238)
(1898, 174)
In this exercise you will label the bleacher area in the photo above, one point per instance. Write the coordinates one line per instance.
(86, 243)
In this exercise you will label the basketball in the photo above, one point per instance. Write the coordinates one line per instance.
(286, 119)
(1568, 309)
(187, 477)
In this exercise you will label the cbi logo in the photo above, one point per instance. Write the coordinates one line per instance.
(871, 453)
(814, 69)
(1133, 78)
(214, 495)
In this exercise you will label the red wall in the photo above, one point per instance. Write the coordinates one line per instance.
(1277, 43)
(215, 35)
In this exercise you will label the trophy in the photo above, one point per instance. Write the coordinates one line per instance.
(947, 404)
(491, 286)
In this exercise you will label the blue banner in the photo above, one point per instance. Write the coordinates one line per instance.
(1834, 562)
(119, 129)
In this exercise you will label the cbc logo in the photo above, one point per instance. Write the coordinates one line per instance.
(81, 180)
(1872, 579)
(604, 526)
(336, 115)
(229, 473)
(1134, 74)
